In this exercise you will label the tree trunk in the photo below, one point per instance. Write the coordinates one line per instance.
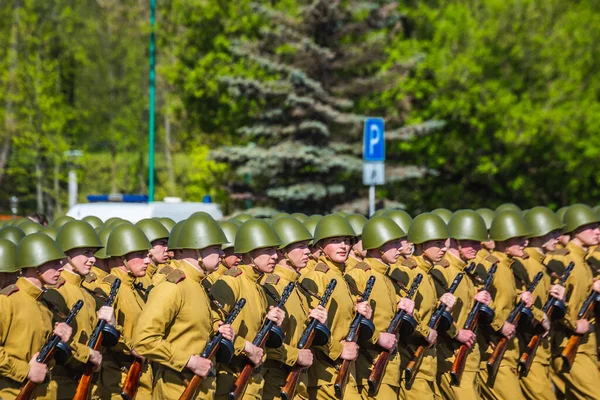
(169, 157)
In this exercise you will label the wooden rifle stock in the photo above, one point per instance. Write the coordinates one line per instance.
(570, 351)
(458, 366)
(47, 352)
(291, 383)
(210, 350)
(524, 363)
(85, 382)
(239, 387)
(382, 360)
(132, 380)
(343, 374)
(493, 363)
(411, 370)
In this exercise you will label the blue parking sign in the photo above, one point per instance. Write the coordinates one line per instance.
(373, 140)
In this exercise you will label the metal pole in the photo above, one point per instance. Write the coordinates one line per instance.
(371, 200)
(151, 105)
(72, 188)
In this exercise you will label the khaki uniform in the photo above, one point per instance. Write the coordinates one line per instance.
(238, 282)
(310, 265)
(505, 297)
(341, 311)
(351, 262)
(146, 280)
(116, 361)
(69, 291)
(481, 255)
(162, 273)
(582, 381)
(213, 276)
(280, 360)
(174, 326)
(93, 279)
(446, 272)
(384, 302)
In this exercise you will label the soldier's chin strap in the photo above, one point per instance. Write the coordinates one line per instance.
(126, 265)
(200, 262)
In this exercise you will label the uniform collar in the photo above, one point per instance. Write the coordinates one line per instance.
(29, 288)
(192, 272)
(125, 277)
(71, 277)
(100, 273)
(151, 268)
(535, 254)
(576, 250)
(422, 263)
(250, 273)
(286, 273)
(377, 265)
(502, 257)
(337, 267)
(455, 261)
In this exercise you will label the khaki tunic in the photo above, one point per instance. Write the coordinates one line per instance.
(146, 280)
(93, 279)
(161, 273)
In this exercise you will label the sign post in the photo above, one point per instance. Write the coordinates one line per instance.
(373, 157)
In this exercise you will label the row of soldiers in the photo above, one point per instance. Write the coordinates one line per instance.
(396, 307)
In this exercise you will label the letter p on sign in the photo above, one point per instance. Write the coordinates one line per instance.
(373, 140)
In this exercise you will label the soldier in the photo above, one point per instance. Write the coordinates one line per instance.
(357, 253)
(101, 267)
(382, 241)
(486, 246)
(257, 243)
(467, 232)
(25, 322)
(545, 229)
(78, 240)
(310, 224)
(8, 263)
(564, 238)
(292, 257)
(230, 258)
(129, 249)
(403, 220)
(173, 260)
(429, 234)
(158, 236)
(333, 236)
(581, 224)
(509, 231)
(177, 321)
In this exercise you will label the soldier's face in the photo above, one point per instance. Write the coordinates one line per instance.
(564, 239)
(159, 251)
(589, 235)
(231, 259)
(298, 254)
(434, 250)
(390, 251)
(50, 272)
(265, 259)
(468, 249)
(550, 241)
(211, 257)
(82, 260)
(315, 252)
(138, 262)
(358, 248)
(515, 247)
(407, 247)
(337, 248)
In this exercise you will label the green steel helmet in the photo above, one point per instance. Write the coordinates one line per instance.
(103, 234)
(290, 231)
(542, 220)
(243, 217)
(36, 250)
(230, 230)
(167, 223)
(200, 214)
(50, 231)
(30, 227)
(427, 227)
(12, 233)
(112, 220)
(118, 222)
(507, 207)
(357, 221)
(380, 230)
(401, 218)
(467, 225)
(255, 234)
(268, 220)
(299, 216)
(507, 225)
(235, 221)
(20, 221)
(280, 215)
(77, 235)
(379, 212)
(125, 239)
(331, 226)
(60, 221)
(8, 256)
(443, 213)
(94, 221)
(199, 232)
(487, 215)
(577, 216)
(153, 229)
(310, 224)
(173, 237)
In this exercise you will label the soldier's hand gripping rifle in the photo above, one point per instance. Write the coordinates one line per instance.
(458, 366)
(210, 350)
(411, 370)
(306, 340)
(384, 356)
(554, 309)
(493, 363)
(85, 383)
(261, 340)
(344, 370)
(47, 352)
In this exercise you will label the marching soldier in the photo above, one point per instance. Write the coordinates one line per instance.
(333, 236)
(129, 249)
(25, 321)
(403, 220)
(357, 253)
(310, 224)
(101, 267)
(172, 251)
(467, 231)
(177, 321)
(382, 243)
(488, 245)
(8, 263)
(257, 243)
(158, 236)
(230, 258)
(291, 258)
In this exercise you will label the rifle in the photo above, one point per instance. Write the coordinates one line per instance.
(381, 363)
(289, 389)
(524, 363)
(458, 366)
(344, 371)
(411, 370)
(495, 359)
(210, 350)
(570, 351)
(47, 352)
(239, 387)
(83, 388)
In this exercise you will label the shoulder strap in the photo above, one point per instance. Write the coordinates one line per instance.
(10, 289)
(175, 276)
(321, 267)
(235, 272)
